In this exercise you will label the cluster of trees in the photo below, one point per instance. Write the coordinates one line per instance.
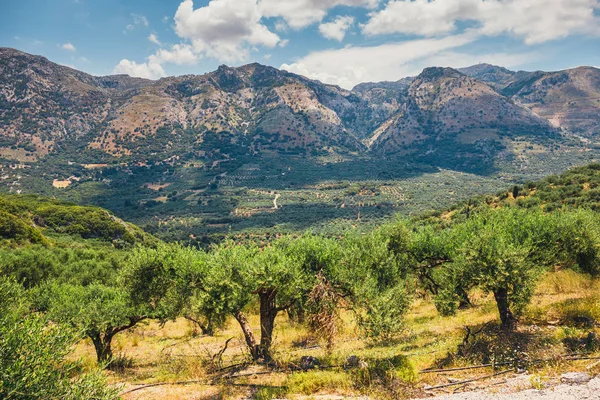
(312, 278)
(29, 219)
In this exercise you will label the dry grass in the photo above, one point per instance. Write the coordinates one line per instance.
(552, 325)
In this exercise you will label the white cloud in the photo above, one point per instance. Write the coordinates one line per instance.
(68, 47)
(336, 30)
(281, 26)
(535, 21)
(147, 70)
(179, 54)
(301, 13)
(224, 29)
(352, 65)
(140, 20)
(154, 39)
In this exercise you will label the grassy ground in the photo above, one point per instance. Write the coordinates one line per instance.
(552, 326)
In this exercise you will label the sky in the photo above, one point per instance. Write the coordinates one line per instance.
(342, 42)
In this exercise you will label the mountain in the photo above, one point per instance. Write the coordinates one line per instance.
(46, 109)
(44, 106)
(568, 99)
(453, 116)
(495, 76)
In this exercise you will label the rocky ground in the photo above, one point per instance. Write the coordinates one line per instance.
(571, 386)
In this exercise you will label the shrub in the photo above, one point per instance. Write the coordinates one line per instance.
(33, 355)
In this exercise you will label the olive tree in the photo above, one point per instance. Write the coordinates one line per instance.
(376, 279)
(142, 290)
(34, 355)
(502, 251)
(239, 275)
(98, 311)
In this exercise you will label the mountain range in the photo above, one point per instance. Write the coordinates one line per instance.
(47, 108)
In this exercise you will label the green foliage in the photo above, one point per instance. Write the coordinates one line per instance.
(93, 308)
(312, 382)
(29, 219)
(148, 276)
(33, 355)
(375, 277)
(385, 372)
(34, 265)
(12, 228)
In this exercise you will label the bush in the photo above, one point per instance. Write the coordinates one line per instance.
(33, 355)
(13, 228)
(312, 382)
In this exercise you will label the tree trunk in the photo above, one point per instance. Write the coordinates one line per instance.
(248, 335)
(506, 316)
(268, 313)
(464, 301)
(297, 314)
(207, 329)
(102, 344)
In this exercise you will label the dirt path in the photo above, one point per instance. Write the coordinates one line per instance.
(563, 391)
(277, 195)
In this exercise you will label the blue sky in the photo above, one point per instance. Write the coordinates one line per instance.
(341, 42)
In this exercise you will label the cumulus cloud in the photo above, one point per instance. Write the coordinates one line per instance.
(154, 39)
(336, 30)
(179, 54)
(301, 13)
(536, 21)
(224, 29)
(148, 70)
(352, 65)
(68, 47)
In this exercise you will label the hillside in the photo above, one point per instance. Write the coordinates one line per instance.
(38, 220)
(577, 188)
(409, 346)
(451, 112)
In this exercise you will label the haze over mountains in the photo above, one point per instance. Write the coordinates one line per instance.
(45, 108)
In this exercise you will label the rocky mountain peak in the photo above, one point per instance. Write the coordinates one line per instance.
(435, 73)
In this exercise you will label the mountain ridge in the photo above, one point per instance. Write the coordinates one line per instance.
(257, 109)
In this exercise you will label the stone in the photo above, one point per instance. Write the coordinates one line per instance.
(309, 362)
(575, 378)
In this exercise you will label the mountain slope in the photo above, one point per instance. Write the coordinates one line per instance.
(568, 99)
(495, 76)
(255, 110)
(442, 106)
(43, 106)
